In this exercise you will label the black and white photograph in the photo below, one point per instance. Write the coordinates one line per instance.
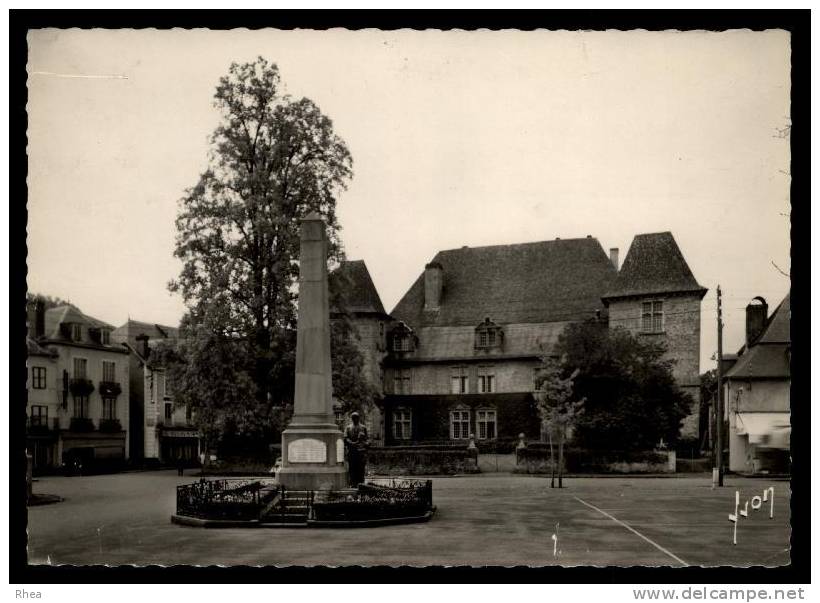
(396, 297)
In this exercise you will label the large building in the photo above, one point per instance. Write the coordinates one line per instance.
(459, 352)
(78, 390)
(758, 392)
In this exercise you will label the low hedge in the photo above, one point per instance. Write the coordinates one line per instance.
(422, 460)
(535, 458)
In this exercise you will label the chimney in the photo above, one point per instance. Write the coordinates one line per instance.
(756, 314)
(433, 281)
(613, 256)
(145, 350)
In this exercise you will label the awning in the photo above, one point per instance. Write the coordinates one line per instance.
(765, 429)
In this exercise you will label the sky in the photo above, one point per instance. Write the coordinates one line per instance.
(458, 138)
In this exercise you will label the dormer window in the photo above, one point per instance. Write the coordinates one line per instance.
(488, 335)
(403, 339)
(76, 332)
(105, 337)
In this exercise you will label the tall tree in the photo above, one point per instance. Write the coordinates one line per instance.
(557, 408)
(632, 399)
(274, 159)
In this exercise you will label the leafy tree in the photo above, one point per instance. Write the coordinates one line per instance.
(208, 373)
(556, 408)
(274, 159)
(48, 300)
(632, 400)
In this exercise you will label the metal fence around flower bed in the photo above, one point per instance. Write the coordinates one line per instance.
(235, 499)
(391, 499)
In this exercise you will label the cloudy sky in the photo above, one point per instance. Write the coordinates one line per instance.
(458, 138)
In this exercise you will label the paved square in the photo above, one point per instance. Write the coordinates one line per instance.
(489, 519)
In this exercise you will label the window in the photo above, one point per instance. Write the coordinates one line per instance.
(105, 337)
(80, 407)
(109, 409)
(80, 368)
(652, 317)
(401, 343)
(39, 416)
(169, 410)
(459, 381)
(401, 381)
(402, 338)
(488, 335)
(402, 419)
(486, 381)
(486, 339)
(109, 371)
(485, 421)
(160, 384)
(76, 332)
(460, 424)
(38, 377)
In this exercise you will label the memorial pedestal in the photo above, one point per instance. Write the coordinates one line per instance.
(312, 458)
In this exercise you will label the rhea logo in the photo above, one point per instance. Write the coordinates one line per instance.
(27, 594)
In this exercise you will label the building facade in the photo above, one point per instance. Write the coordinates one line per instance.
(462, 347)
(757, 392)
(78, 397)
(44, 406)
(162, 432)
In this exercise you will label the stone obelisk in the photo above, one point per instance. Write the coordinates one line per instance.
(312, 445)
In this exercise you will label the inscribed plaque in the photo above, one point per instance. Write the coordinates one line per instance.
(307, 450)
(340, 451)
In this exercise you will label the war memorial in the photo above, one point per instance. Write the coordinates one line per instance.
(313, 486)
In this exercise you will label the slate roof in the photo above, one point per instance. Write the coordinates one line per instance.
(68, 313)
(654, 264)
(356, 288)
(769, 356)
(778, 328)
(132, 328)
(458, 343)
(548, 281)
(35, 349)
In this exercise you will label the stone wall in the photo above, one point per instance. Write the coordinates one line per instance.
(422, 460)
(536, 459)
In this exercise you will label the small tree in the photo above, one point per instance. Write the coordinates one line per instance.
(556, 408)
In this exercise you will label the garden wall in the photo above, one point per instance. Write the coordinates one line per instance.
(422, 460)
(535, 458)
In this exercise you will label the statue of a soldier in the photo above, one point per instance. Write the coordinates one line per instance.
(356, 442)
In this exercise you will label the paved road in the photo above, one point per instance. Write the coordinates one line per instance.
(492, 519)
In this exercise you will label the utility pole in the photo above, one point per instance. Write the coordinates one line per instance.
(717, 471)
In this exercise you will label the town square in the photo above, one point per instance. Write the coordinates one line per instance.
(491, 519)
(408, 298)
